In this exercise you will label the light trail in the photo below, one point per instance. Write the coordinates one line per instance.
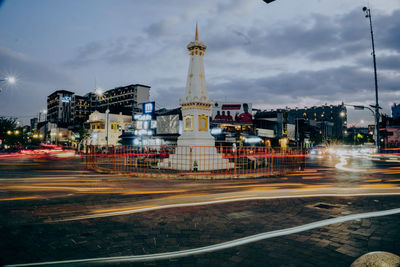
(212, 202)
(229, 197)
(19, 198)
(220, 246)
(343, 162)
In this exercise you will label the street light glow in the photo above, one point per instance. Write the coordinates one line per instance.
(11, 80)
(98, 92)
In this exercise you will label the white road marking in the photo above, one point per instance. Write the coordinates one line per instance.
(220, 246)
(170, 206)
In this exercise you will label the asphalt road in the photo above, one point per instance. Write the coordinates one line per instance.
(56, 210)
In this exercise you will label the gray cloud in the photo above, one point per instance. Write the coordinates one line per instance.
(35, 80)
(319, 38)
(119, 51)
(348, 84)
(164, 27)
(30, 70)
(86, 54)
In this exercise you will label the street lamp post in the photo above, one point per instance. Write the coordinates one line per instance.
(378, 139)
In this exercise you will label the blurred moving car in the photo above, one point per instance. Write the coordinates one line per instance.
(47, 151)
(319, 150)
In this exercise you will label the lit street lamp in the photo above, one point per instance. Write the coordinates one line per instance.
(368, 15)
(9, 80)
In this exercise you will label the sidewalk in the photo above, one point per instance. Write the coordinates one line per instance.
(26, 240)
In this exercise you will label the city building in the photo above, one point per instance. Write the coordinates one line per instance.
(34, 123)
(81, 110)
(125, 99)
(274, 125)
(106, 128)
(396, 111)
(231, 122)
(67, 109)
(60, 108)
(331, 119)
(305, 125)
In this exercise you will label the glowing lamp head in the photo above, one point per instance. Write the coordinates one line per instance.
(11, 80)
(98, 92)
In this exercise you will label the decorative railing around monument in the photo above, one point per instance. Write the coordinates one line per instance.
(194, 162)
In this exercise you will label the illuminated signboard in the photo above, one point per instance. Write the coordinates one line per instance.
(148, 107)
(140, 117)
(66, 99)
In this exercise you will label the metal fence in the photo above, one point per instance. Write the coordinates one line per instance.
(194, 162)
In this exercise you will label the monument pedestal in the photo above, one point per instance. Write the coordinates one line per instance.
(202, 157)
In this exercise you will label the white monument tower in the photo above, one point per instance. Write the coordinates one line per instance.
(196, 147)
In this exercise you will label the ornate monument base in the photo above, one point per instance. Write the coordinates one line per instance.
(196, 158)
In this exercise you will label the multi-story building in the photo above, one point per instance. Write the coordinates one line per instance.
(396, 111)
(99, 122)
(125, 99)
(82, 109)
(65, 108)
(332, 119)
(60, 107)
(300, 124)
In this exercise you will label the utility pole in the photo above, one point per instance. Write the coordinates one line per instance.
(378, 138)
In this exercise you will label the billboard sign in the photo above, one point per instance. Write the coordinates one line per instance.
(232, 113)
(66, 99)
(168, 124)
(148, 107)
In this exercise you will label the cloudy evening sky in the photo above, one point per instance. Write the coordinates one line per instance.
(287, 53)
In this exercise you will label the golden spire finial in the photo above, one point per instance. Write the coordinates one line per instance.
(197, 33)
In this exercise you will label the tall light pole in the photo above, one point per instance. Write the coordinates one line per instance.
(378, 138)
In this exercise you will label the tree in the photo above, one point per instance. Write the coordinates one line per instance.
(7, 130)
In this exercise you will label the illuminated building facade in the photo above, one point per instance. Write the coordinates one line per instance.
(99, 122)
(302, 125)
(125, 99)
(65, 108)
(60, 107)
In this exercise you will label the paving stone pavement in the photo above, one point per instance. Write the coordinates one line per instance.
(25, 237)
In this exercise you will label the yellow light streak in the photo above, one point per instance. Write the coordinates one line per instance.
(18, 198)
(372, 181)
(378, 185)
(186, 195)
(265, 188)
(154, 192)
(32, 188)
(261, 185)
(312, 177)
(229, 197)
(122, 209)
(68, 171)
(17, 164)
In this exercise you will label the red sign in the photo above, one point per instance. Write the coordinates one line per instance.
(231, 106)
